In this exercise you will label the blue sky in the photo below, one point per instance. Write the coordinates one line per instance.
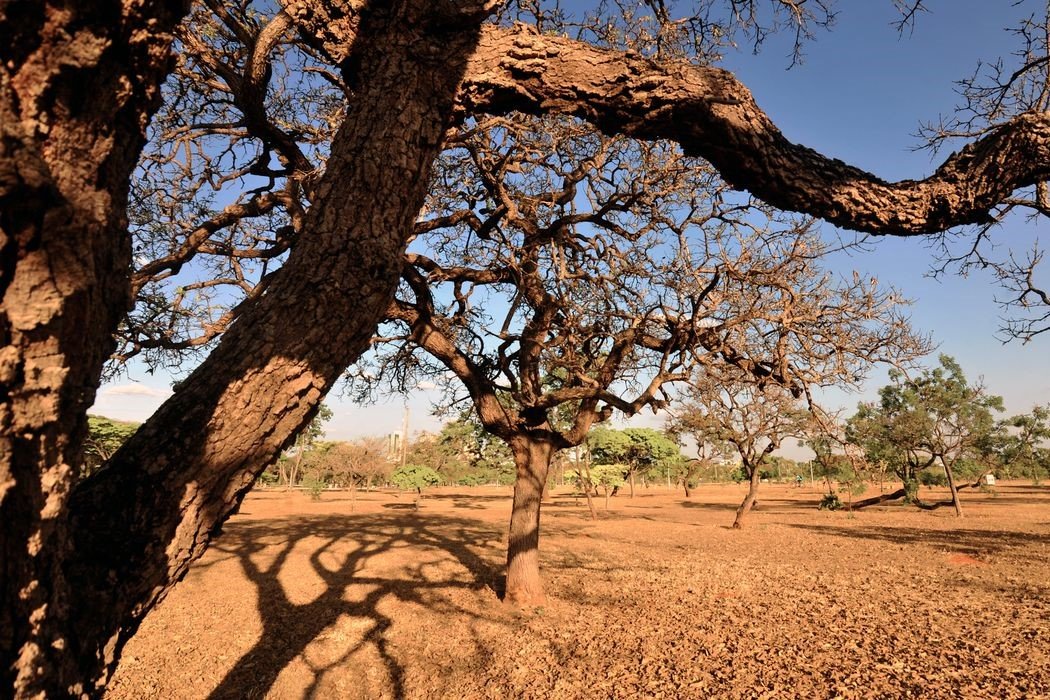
(860, 96)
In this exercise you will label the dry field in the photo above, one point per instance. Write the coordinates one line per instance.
(657, 599)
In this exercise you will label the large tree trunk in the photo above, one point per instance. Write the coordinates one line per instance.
(142, 520)
(749, 499)
(78, 83)
(532, 459)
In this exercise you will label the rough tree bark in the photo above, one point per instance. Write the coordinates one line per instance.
(532, 458)
(78, 84)
(136, 525)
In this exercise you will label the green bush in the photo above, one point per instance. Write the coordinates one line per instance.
(471, 480)
(911, 491)
(314, 487)
(830, 502)
(929, 477)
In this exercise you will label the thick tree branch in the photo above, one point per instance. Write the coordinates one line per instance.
(712, 115)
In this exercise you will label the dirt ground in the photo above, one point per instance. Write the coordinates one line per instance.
(657, 599)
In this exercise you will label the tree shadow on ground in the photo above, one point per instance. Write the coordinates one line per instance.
(964, 541)
(340, 549)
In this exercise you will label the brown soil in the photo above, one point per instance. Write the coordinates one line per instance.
(657, 599)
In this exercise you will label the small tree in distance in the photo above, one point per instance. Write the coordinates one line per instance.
(1025, 443)
(636, 450)
(752, 416)
(104, 437)
(608, 476)
(415, 477)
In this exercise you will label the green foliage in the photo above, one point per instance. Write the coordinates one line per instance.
(830, 501)
(605, 475)
(937, 416)
(105, 436)
(269, 476)
(315, 428)
(933, 477)
(464, 453)
(313, 486)
(1024, 445)
(414, 477)
(638, 450)
(608, 475)
(471, 480)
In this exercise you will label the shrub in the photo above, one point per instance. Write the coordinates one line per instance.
(830, 502)
(314, 487)
(928, 477)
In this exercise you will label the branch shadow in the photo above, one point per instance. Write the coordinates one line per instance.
(700, 505)
(340, 549)
(965, 541)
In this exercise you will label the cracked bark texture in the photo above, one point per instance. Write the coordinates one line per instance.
(78, 83)
(148, 514)
(713, 116)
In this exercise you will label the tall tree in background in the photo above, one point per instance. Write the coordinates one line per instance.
(705, 434)
(639, 449)
(78, 82)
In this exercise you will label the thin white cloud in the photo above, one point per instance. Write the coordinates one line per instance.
(134, 389)
(426, 386)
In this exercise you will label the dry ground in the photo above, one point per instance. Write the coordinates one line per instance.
(657, 599)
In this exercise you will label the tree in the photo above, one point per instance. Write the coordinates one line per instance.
(559, 275)
(638, 449)
(937, 416)
(67, 163)
(710, 448)
(754, 417)
(304, 441)
(415, 477)
(608, 476)
(346, 464)
(1024, 443)
(104, 437)
(479, 457)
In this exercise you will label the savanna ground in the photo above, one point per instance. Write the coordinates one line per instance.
(658, 599)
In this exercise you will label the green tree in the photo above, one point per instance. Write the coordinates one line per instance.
(1025, 443)
(415, 477)
(937, 416)
(105, 436)
(639, 450)
(608, 476)
(289, 470)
